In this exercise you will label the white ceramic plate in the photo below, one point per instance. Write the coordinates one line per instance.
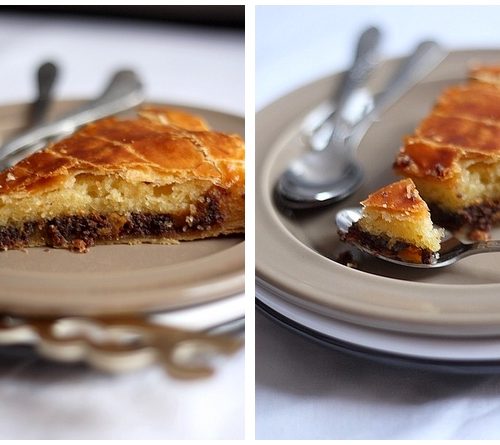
(120, 279)
(473, 353)
(295, 252)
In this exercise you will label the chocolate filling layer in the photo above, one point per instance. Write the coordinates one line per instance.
(398, 250)
(80, 232)
(476, 217)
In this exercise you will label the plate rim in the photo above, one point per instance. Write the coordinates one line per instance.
(433, 321)
(385, 357)
(229, 279)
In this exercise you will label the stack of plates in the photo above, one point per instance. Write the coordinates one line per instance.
(190, 286)
(445, 318)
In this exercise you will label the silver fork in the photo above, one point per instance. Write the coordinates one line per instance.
(451, 251)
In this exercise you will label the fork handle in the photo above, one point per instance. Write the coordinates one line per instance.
(478, 247)
(486, 246)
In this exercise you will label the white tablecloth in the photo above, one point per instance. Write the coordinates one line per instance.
(308, 391)
(184, 65)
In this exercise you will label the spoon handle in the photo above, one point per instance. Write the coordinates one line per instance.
(123, 93)
(46, 77)
(365, 61)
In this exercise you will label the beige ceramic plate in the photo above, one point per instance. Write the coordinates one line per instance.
(295, 253)
(120, 279)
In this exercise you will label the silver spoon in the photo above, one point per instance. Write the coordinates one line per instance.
(319, 178)
(300, 181)
(452, 249)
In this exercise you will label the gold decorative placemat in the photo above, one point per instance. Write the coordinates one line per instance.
(118, 344)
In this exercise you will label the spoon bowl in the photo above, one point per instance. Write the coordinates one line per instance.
(319, 178)
(451, 251)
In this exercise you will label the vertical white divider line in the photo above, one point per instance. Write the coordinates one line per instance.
(250, 220)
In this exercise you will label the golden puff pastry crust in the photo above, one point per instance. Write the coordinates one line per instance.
(454, 154)
(162, 176)
(396, 223)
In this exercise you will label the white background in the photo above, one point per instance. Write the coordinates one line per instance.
(307, 391)
(296, 44)
(178, 64)
(184, 65)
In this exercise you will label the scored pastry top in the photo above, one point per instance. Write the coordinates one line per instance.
(160, 146)
(464, 124)
(401, 197)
